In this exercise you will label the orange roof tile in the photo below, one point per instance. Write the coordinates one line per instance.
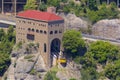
(38, 15)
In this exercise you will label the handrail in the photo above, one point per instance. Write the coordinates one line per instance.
(100, 38)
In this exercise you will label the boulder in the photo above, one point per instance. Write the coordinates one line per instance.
(40, 66)
(25, 65)
(74, 22)
(32, 77)
(20, 76)
(107, 28)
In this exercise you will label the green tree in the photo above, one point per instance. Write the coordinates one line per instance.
(55, 3)
(4, 62)
(89, 73)
(31, 4)
(103, 51)
(112, 70)
(2, 34)
(93, 16)
(51, 75)
(93, 5)
(73, 43)
(42, 6)
(6, 46)
(11, 34)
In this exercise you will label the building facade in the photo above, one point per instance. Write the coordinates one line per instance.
(41, 27)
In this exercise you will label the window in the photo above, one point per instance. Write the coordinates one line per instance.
(33, 23)
(44, 25)
(37, 30)
(55, 31)
(29, 29)
(29, 22)
(45, 47)
(23, 21)
(60, 31)
(30, 37)
(45, 32)
(33, 30)
(51, 32)
(19, 21)
(41, 31)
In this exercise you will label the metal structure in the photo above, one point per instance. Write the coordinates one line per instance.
(117, 2)
(107, 2)
(11, 6)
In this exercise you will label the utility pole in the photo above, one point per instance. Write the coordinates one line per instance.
(98, 2)
(108, 1)
(15, 6)
(88, 3)
(118, 3)
(2, 6)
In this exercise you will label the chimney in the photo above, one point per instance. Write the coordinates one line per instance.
(51, 10)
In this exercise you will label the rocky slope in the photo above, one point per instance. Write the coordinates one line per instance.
(107, 28)
(27, 64)
(73, 22)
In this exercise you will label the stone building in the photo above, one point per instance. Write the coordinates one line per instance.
(41, 27)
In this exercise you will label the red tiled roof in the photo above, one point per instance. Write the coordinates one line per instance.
(38, 15)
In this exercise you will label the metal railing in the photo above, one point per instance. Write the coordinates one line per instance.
(101, 38)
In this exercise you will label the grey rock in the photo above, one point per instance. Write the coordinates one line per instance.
(107, 28)
(32, 77)
(74, 22)
(20, 76)
(23, 66)
(40, 66)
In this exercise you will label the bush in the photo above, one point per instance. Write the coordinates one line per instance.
(72, 79)
(33, 72)
(29, 56)
(51, 75)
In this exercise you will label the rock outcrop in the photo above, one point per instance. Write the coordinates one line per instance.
(27, 64)
(73, 22)
(107, 28)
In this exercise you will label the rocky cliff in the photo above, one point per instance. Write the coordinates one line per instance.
(73, 22)
(107, 28)
(28, 64)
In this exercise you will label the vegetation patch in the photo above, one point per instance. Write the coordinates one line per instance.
(33, 72)
(29, 56)
(30, 60)
(7, 41)
(51, 75)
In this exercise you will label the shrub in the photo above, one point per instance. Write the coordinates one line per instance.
(51, 75)
(29, 56)
(33, 72)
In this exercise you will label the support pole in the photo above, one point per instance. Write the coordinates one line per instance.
(2, 7)
(15, 7)
(118, 3)
(108, 1)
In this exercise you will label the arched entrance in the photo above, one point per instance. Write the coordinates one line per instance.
(54, 50)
